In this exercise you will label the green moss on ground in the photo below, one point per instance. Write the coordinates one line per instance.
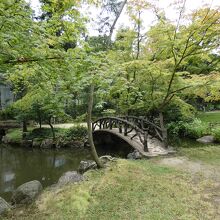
(125, 190)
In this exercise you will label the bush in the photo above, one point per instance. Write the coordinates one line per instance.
(76, 133)
(194, 129)
(216, 134)
(42, 133)
(7, 114)
(81, 118)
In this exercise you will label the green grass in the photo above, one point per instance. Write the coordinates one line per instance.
(209, 154)
(210, 117)
(126, 190)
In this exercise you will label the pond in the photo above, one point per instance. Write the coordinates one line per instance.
(20, 165)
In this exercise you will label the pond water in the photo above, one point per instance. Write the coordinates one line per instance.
(20, 165)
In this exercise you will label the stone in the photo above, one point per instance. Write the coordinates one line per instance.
(26, 143)
(27, 192)
(47, 144)
(134, 155)
(5, 139)
(4, 206)
(36, 143)
(206, 139)
(86, 165)
(70, 177)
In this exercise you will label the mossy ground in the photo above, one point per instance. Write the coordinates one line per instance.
(126, 190)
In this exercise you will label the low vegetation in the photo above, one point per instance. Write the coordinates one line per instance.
(204, 124)
(125, 190)
(74, 133)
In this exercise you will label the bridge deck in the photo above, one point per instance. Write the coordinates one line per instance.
(155, 147)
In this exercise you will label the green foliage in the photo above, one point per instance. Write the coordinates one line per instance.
(216, 133)
(14, 134)
(42, 133)
(194, 129)
(7, 114)
(76, 133)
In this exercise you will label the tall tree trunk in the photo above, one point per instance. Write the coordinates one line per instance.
(115, 22)
(89, 125)
(52, 129)
(24, 126)
(40, 119)
(164, 130)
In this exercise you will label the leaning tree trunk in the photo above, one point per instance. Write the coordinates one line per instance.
(52, 129)
(24, 126)
(89, 125)
(164, 130)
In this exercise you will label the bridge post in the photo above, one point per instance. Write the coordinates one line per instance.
(120, 128)
(145, 141)
(110, 124)
(125, 130)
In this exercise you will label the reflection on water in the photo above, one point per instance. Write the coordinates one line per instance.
(20, 165)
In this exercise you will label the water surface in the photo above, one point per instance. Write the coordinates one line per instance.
(19, 165)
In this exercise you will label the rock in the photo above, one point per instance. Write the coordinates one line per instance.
(70, 177)
(47, 143)
(134, 155)
(206, 139)
(5, 139)
(86, 165)
(36, 143)
(74, 144)
(106, 158)
(4, 206)
(26, 143)
(27, 192)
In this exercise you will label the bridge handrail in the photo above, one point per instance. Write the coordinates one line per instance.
(121, 120)
(143, 119)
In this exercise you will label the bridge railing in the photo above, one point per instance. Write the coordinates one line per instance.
(124, 126)
(146, 125)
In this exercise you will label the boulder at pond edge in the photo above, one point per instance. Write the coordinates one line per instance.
(4, 206)
(27, 192)
(86, 165)
(70, 177)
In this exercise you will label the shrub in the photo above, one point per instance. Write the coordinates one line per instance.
(216, 134)
(194, 129)
(76, 133)
(81, 118)
(42, 133)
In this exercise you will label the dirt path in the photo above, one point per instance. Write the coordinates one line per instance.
(65, 125)
(199, 172)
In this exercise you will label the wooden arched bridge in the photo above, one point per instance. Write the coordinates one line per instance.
(140, 133)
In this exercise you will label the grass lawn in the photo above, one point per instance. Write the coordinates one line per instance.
(209, 154)
(125, 190)
(210, 117)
